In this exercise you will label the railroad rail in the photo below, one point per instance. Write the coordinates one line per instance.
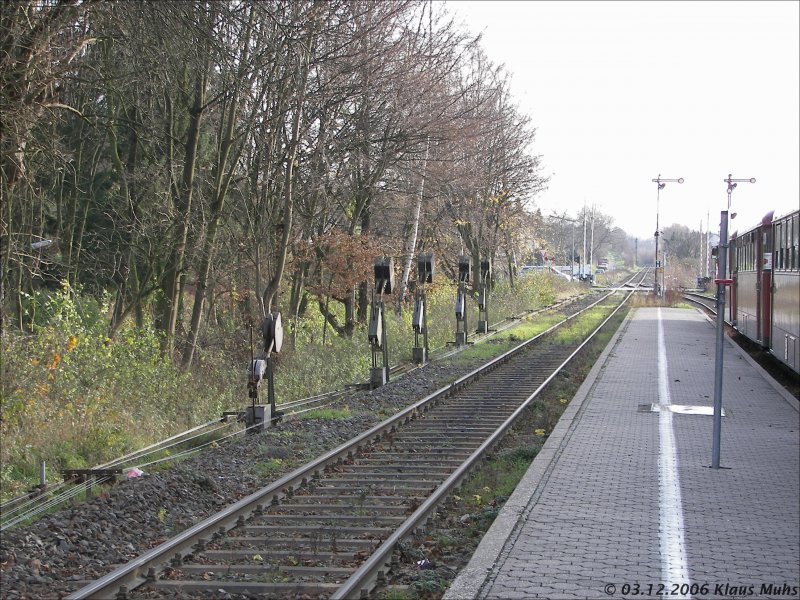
(44, 498)
(709, 303)
(330, 527)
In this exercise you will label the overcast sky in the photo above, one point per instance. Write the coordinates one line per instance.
(621, 92)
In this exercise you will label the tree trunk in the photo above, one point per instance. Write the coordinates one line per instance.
(411, 242)
(222, 181)
(272, 287)
(182, 199)
(223, 174)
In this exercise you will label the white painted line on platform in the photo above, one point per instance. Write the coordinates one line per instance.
(673, 550)
(685, 409)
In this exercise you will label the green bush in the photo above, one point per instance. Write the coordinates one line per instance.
(75, 398)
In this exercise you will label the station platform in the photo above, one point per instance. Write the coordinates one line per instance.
(621, 501)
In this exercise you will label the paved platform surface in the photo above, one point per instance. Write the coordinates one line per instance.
(621, 502)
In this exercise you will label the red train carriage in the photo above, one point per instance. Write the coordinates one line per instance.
(765, 294)
(751, 274)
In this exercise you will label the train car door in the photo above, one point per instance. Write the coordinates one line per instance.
(765, 295)
(733, 267)
(764, 277)
(758, 267)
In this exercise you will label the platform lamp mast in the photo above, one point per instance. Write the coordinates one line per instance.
(661, 183)
(722, 280)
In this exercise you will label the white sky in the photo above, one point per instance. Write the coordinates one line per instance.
(621, 92)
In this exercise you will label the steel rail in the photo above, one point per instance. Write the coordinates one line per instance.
(288, 408)
(137, 571)
(442, 352)
(699, 299)
(361, 583)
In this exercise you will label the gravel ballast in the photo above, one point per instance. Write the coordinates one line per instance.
(64, 550)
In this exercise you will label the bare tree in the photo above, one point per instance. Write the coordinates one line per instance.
(40, 42)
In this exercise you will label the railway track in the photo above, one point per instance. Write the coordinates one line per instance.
(330, 528)
(764, 358)
(44, 498)
(299, 406)
(704, 301)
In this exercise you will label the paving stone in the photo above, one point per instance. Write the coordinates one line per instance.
(591, 515)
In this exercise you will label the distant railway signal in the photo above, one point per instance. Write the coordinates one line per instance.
(661, 183)
(260, 375)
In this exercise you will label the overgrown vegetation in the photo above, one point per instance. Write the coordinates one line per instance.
(75, 398)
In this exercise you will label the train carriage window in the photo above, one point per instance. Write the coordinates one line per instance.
(744, 253)
(786, 229)
(778, 254)
(796, 241)
(766, 246)
(780, 243)
(746, 257)
(785, 225)
(739, 254)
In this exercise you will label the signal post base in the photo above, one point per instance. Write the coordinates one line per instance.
(419, 355)
(378, 376)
